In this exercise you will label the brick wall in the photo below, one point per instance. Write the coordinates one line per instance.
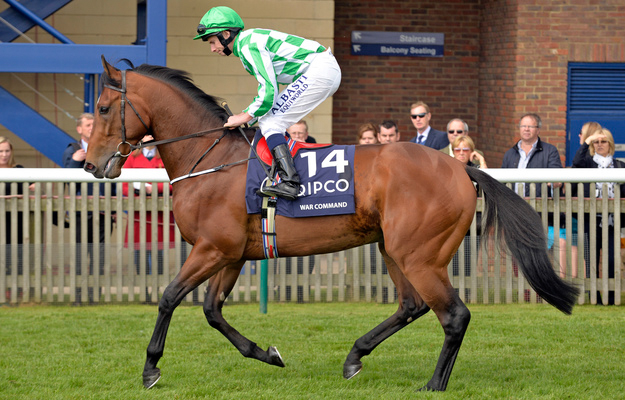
(375, 88)
(497, 113)
(526, 48)
(503, 58)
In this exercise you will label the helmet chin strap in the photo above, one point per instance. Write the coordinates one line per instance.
(225, 42)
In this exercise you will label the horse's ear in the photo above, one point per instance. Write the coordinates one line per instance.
(108, 67)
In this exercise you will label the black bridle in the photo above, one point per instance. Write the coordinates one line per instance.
(125, 100)
(153, 142)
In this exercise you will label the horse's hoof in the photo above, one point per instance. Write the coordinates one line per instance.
(274, 357)
(427, 388)
(150, 379)
(351, 370)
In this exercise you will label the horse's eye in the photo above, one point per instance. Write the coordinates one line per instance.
(103, 110)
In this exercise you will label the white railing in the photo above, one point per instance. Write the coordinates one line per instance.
(48, 264)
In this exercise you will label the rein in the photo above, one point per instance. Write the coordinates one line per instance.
(153, 142)
(176, 139)
(141, 145)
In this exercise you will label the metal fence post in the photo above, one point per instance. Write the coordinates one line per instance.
(264, 265)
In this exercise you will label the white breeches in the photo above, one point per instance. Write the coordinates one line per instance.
(299, 98)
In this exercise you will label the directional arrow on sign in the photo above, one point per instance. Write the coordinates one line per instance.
(356, 48)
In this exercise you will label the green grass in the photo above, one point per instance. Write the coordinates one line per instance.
(509, 351)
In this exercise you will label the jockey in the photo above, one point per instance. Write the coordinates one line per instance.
(310, 72)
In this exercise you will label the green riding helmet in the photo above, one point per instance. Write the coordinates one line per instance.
(218, 19)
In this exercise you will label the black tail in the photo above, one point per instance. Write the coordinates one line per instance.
(518, 225)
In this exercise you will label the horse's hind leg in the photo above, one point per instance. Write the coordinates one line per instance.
(219, 287)
(411, 307)
(434, 286)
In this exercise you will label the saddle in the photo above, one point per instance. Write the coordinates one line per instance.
(265, 154)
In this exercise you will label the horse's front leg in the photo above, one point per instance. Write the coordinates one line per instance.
(173, 295)
(219, 287)
(203, 262)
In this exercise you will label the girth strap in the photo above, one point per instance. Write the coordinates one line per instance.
(268, 227)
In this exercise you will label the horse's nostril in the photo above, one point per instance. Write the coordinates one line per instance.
(89, 167)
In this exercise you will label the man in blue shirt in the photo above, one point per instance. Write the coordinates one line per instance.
(531, 152)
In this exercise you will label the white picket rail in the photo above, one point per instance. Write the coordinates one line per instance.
(48, 253)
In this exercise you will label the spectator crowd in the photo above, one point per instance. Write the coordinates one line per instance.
(597, 148)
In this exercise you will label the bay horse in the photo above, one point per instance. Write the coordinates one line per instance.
(415, 202)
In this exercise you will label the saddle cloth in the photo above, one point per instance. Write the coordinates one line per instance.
(326, 179)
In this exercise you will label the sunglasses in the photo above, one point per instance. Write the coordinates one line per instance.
(600, 142)
(451, 132)
(459, 149)
(414, 116)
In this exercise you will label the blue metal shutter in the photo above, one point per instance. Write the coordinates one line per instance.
(596, 92)
(596, 87)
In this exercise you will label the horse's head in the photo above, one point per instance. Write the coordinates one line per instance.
(117, 128)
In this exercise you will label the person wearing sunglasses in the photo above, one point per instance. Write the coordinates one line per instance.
(309, 71)
(456, 128)
(463, 150)
(426, 135)
(597, 151)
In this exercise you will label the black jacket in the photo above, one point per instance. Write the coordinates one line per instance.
(583, 159)
(544, 156)
(68, 162)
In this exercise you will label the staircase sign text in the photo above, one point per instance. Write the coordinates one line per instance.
(404, 44)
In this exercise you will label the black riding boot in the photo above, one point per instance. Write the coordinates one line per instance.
(288, 188)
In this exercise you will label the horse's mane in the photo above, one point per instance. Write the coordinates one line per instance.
(179, 79)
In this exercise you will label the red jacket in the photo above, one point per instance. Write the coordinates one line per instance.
(138, 160)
